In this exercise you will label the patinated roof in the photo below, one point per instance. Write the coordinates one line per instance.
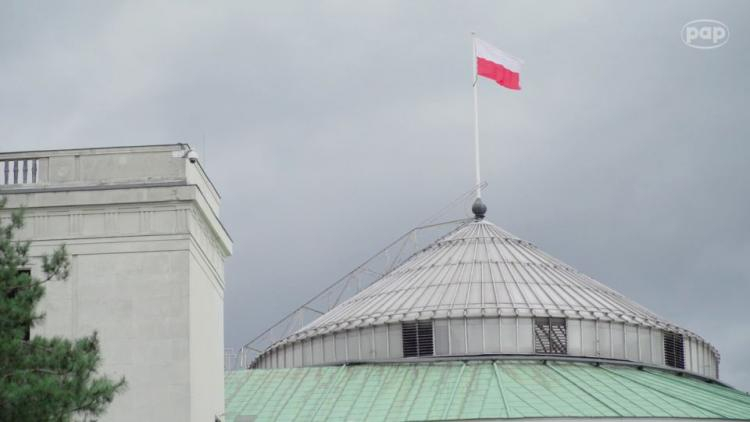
(478, 389)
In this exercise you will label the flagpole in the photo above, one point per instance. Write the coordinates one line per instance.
(476, 114)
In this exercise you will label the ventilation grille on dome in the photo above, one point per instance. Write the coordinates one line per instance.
(417, 338)
(674, 353)
(550, 336)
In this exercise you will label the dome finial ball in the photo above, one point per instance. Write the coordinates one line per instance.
(479, 209)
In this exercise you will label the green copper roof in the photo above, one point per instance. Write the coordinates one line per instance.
(480, 389)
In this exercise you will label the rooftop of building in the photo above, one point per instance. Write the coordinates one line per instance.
(479, 389)
(482, 270)
(102, 166)
(481, 290)
(42, 178)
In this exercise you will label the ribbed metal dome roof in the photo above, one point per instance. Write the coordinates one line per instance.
(482, 270)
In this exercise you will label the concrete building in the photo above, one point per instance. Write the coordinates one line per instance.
(147, 247)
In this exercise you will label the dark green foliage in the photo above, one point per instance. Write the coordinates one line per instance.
(42, 379)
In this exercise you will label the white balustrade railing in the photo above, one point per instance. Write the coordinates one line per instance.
(19, 171)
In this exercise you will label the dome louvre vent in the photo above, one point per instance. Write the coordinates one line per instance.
(674, 352)
(550, 336)
(417, 338)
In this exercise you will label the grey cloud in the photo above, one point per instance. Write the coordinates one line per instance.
(332, 128)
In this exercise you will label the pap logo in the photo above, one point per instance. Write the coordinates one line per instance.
(705, 34)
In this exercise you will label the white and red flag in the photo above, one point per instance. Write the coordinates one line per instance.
(501, 67)
(497, 65)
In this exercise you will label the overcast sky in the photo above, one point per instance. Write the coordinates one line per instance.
(333, 127)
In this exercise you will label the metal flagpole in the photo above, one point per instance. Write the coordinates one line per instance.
(476, 114)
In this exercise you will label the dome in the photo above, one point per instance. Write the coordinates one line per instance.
(480, 290)
(482, 270)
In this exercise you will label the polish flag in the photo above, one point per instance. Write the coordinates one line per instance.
(497, 65)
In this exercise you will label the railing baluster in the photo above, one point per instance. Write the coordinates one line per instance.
(19, 171)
